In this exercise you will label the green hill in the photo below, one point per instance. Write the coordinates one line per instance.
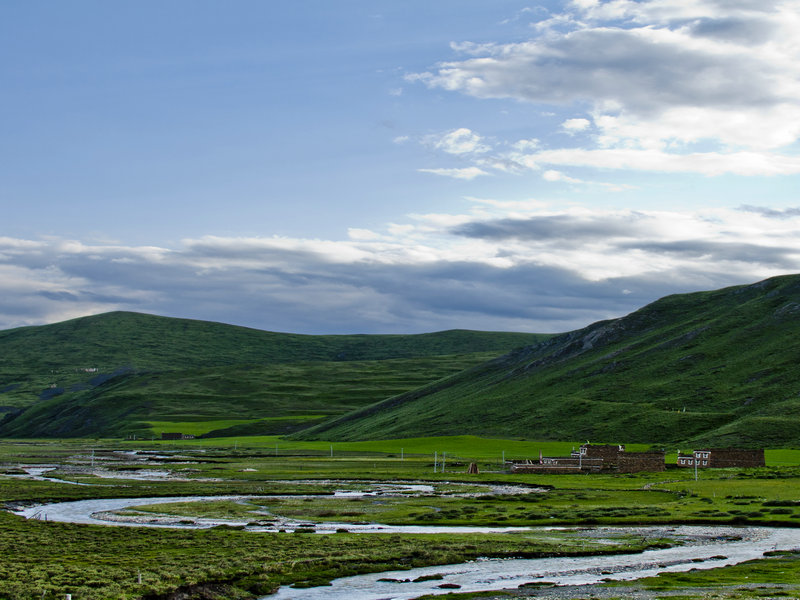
(720, 367)
(116, 373)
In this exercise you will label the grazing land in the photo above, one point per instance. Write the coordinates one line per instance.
(717, 368)
(293, 431)
(127, 374)
(50, 559)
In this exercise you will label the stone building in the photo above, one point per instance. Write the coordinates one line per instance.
(595, 458)
(635, 462)
(177, 436)
(608, 453)
(721, 458)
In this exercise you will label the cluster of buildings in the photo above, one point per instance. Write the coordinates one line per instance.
(177, 436)
(600, 458)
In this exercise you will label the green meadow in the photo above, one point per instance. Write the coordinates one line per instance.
(462, 447)
(48, 560)
(717, 368)
(114, 375)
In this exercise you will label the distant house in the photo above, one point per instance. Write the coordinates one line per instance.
(608, 453)
(721, 458)
(595, 458)
(177, 436)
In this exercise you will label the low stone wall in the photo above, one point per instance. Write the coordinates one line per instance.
(634, 462)
(546, 469)
(560, 464)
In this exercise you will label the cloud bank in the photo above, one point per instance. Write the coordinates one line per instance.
(497, 266)
(709, 87)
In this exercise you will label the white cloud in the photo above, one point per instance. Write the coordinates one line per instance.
(671, 11)
(458, 141)
(499, 264)
(706, 163)
(659, 77)
(575, 125)
(354, 233)
(525, 145)
(458, 173)
(552, 175)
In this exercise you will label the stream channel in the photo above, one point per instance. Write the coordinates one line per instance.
(702, 547)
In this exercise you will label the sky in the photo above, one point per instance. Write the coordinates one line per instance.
(373, 166)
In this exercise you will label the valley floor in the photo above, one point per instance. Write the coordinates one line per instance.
(46, 559)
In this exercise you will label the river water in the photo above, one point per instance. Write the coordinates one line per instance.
(703, 547)
(37, 472)
(102, 512)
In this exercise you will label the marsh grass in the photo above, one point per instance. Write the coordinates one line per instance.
(777, 573)
(101, 563)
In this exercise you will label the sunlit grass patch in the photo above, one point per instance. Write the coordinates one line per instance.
(194, 427)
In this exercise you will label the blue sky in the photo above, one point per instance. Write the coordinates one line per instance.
(375, 166)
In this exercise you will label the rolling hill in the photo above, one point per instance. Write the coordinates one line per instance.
(719, 367)
(126, 373)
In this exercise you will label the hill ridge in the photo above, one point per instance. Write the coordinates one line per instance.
(61, 379)
(706, 366)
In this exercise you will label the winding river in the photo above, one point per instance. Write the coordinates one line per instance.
(703, 547)
(104, 512)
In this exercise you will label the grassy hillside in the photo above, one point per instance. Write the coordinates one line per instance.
(720, 367)
(115, 373)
